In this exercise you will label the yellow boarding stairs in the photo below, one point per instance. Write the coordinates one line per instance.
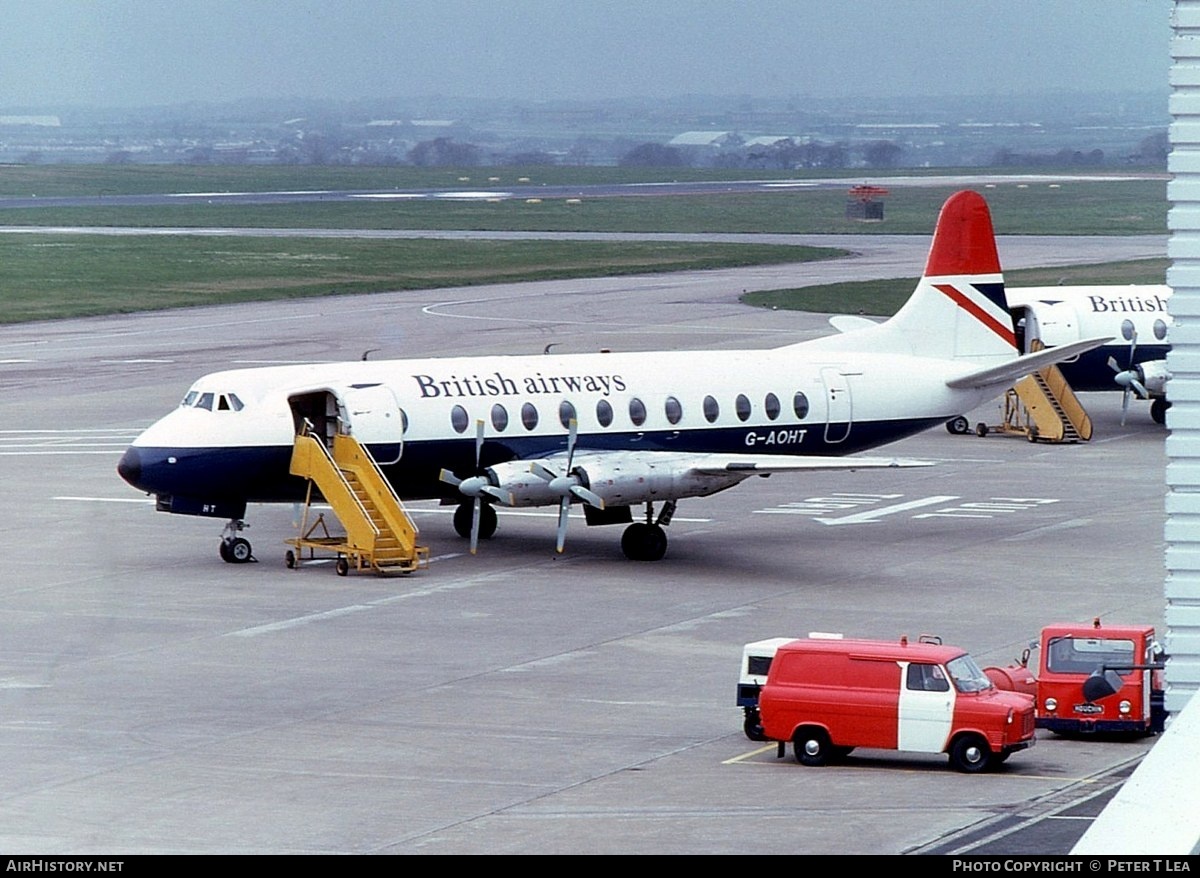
(1042, 406)
(380, 535)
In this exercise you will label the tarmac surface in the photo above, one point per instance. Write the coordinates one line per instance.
(158, 700)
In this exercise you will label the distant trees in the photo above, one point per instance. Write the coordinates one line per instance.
(882, 154)
(1153, 150)
(444, 152)
(1063, 158)
(652, 155)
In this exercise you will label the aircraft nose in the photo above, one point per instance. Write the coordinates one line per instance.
(130, 466)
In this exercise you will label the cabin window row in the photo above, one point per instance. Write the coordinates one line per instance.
(743, 409)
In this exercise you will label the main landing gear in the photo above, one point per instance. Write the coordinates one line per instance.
(235, 549)
(647, 540)
(641, 541)
(487, 520)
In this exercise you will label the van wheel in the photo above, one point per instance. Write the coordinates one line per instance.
(971, 754)
(812, 747)
(752, 726)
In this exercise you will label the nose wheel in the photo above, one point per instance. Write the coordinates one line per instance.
(235, 549)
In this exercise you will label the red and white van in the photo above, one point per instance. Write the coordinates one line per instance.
(828, 695)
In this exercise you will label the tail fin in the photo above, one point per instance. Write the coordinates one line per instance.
(958, 309)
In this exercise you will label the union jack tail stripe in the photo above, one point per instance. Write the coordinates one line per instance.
(1002, 328)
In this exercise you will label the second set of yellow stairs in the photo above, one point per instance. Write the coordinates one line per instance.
(380, 535)
(1043, 407)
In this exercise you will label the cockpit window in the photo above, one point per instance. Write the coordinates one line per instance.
(220, 402)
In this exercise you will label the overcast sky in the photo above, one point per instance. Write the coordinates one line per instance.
(115, 53)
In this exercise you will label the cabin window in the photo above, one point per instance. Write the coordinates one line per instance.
(236, 404)
(1160, 329)
(604, 413)
(499, 417)
(771, 406)
(459, 419)
(637, 412)
(190, 399)
(742, 406)
(403, 421)
(566, 413)
(673, 410)
(529, 416)
(205, 401)
(800, 405)
(712, 410)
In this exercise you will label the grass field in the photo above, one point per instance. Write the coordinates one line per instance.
(52, 275)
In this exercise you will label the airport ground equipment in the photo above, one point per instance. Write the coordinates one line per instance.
(1042, 407)
(1092, 679)
(828, 695)
(380, 535)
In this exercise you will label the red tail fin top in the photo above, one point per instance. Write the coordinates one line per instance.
(963, 242)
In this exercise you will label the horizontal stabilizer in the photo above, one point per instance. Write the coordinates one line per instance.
(850, 322)
(1007, 373)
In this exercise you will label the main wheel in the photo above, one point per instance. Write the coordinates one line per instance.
(812, 747)
(1158, 410)
(487, 522)
(462, 520)
(642, 541)
(971, 754)
(290, 559)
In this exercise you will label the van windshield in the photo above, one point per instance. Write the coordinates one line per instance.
(967, 675)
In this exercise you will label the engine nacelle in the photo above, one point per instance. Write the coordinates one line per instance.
(1154, 376)
(619, 479)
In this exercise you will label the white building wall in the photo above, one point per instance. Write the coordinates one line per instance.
(1182, 531)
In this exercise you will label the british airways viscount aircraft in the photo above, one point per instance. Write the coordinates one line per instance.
(1134, 362)
(610, 431)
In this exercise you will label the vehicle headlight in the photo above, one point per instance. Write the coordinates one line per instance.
(1124, 707)
(1051, 704)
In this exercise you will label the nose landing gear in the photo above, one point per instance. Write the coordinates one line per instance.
(235, 549)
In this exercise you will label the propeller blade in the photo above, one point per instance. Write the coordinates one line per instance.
(475, 524)
(449, 478)
(478, 441)
(1124, 404)
(564, 508)
(540, 470)
(589, 497)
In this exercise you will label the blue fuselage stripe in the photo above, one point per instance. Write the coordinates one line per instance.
(259, 474)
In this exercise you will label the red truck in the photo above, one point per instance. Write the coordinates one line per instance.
(827, 695)
(1093, 679)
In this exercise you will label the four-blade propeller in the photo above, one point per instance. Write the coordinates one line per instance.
(476, 487)
(566, 484)
(1130, 379)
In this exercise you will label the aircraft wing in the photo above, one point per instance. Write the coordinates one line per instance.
(765, 464)
(1006, 373)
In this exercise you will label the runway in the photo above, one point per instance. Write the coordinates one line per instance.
(158, 700)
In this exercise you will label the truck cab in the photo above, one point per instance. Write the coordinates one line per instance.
(1100, 679)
